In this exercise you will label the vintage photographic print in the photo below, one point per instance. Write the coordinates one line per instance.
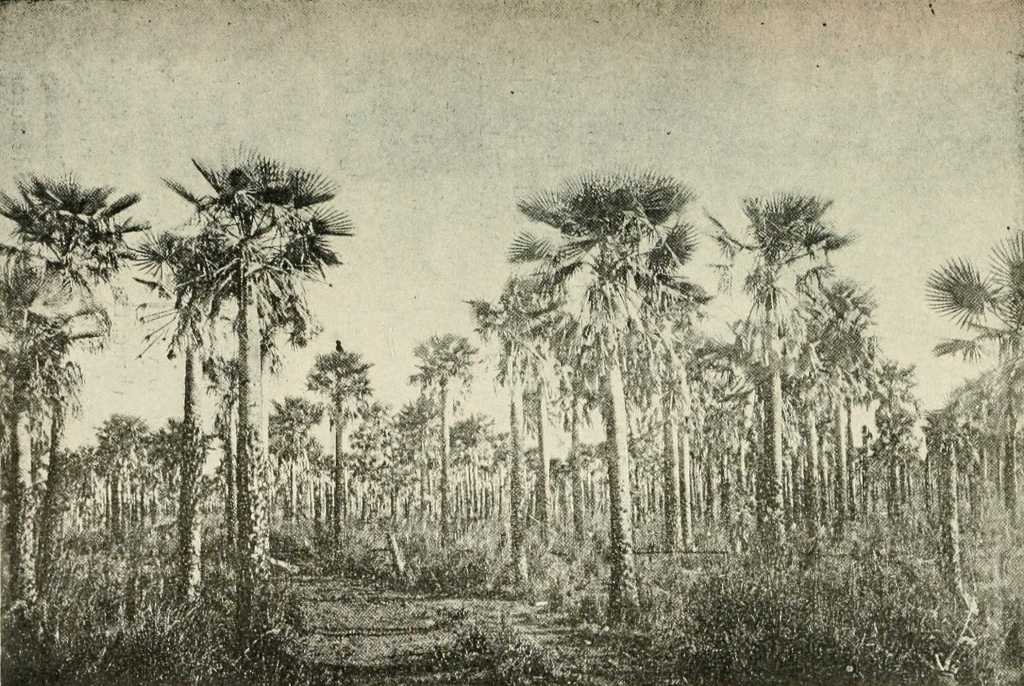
(563, 342)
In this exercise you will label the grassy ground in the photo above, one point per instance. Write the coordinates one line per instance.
(872, 610)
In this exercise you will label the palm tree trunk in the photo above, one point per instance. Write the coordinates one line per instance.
(578, 497)
(544, 462)
(230, 441)
(340, 509)
(842, 467)
(1010, 470)
(22, 511)
(517, 475)
(252, 506)
(771, 490)
(812, 471)
(445, 458)
(951, 521)
(53, 501)
(672, 477)
(189, 517)
(623, 599)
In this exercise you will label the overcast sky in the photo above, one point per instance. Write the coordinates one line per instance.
(434, 118)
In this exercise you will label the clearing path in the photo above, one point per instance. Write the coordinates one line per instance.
(375, 635)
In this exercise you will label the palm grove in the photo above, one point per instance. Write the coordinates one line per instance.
(744, 442)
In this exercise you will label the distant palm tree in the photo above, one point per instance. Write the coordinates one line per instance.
(444, 362)
(341, 377)
(519, 321)
(990, 310)
(785, 233)
(272, 228)
(291, 425)
(120, 440)
(76, 235)
(840, 317)
(615, 259)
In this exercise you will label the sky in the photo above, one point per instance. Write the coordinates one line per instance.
(435, 118)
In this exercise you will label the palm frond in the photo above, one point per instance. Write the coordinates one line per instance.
(970, 350)
(527, 248)
(958, 291)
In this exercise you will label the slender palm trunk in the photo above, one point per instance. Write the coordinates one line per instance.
(1010, 470)
(22, 511)
(812, 501)
(842, 467)
(446, 448)
(623, 599)
(252, 506)
(951, 520)
(189, 517)
(230, 441)
(517, 475)
(578, 497)
(543, 462)
(53, 506)
(341, 504)
(771, 490)
(672, 476)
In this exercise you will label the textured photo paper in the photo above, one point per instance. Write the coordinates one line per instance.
(512, 343)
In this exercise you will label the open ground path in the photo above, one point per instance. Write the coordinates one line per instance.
(369, 634)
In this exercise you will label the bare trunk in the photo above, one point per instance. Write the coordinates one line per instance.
(842, 467)
(445, 458)
(517, 474)
(578, 497)
(252, 506)
(22, 512)
(623, 600)
(53, 506)
(189, 518)
(543, 462)
(672, 478)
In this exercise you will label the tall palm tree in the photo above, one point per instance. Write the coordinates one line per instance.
(444, 363)
(790, 240)
(272, 226)
(989, 309)
(342, 378)
(175, 267)
(517, 322)
(615, 258)
(38, 327)
(76, 234)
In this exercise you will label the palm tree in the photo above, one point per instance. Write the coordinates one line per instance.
(839, 318)
(272, 228)
(342, 378)
(990, 311)
(785, 233)
(291, 424)
(38, 327)
(413, 424)
(75, 234)
(517, 321)
(444, 362)
(176, 266)
(616, 259)
(119, 442)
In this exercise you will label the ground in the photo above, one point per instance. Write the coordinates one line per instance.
(376, 635)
